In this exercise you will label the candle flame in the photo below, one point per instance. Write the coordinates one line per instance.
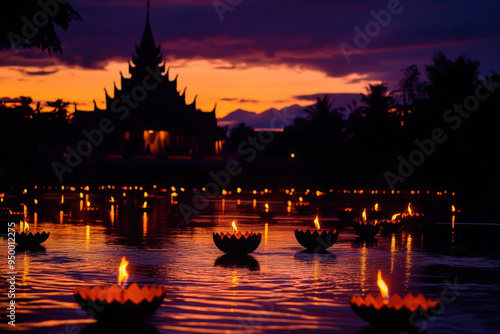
(453, 208)
(112, 199)
(25, 191)
(267, 207)
(123, 275)
(376, 206)
(145, 205)
(88, 204)
(235, 229)
(25, 226)
(35, 201)
(146, 194)
(316, 223)
(384, 290)
(62, 199)
(364, 214)
(395, 216)
(409, 208)
(81, 195)
(300, 199)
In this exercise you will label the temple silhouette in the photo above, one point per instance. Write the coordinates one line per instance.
(151, 115)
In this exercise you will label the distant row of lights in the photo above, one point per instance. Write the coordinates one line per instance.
(225, 192)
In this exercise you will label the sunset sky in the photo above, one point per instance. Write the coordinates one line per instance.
(254, 54)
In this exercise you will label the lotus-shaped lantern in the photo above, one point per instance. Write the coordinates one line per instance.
(302, 207)
(237, 243)
(346, 215)
(393, 225)
(366, 229)
(28, 239)
(412, 220)
(316, 239)
(267, 214)
(118, 303)
(394, 312)
(146, 207)
(376, 213)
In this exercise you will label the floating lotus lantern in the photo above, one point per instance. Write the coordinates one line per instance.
(412, 220)
(88, 206)
(237, 243)
(376, 212)
(145, 207)
(150, 198)
(316, 239)
(267, 214)
(366, 229)
(28, 239)
(346, 215)
(302, 207)
(118, 302)
(392, 226)
(393, 312)
(454, 211)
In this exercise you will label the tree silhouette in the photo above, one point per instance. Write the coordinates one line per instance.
(378, 102)
(450, 81)
(60, 109)
(16, 15)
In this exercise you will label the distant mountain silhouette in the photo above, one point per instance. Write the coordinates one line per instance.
(258, 120)
(262, 120)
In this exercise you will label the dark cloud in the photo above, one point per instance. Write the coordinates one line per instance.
(248, 101)
(34, 73)
(229, 99)
(338, 99)
(298, 33)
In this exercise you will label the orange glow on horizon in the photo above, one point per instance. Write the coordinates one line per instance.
(82, 86)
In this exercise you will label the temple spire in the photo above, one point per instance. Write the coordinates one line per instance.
(147, 16)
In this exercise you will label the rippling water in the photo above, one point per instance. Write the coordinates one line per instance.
(278, 289)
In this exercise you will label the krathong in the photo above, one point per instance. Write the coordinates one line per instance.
(237, 243)
(267, 214)
(317, 239)
(302, 207)
(366, 229)
(412, 220)
(28, 239)
(384, 311)
(119, 303)
(393, 225)
(346, 215)
(376, 212)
